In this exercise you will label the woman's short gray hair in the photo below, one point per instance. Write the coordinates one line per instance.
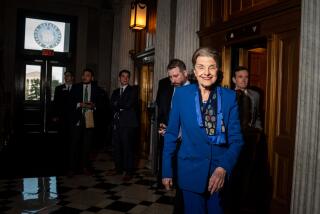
(209, 52)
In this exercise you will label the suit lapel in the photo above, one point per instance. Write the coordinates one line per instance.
(124, 93)
(93, 93)
(170, 92)
(168, 98)
(126, 90)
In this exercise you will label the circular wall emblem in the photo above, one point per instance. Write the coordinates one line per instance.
(47, 35)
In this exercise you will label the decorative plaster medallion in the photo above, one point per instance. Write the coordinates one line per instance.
(47, 35)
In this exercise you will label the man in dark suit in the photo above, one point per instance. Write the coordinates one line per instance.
(244, 177)
(87, 100)
(61, 112)
(61, 96)
(241, 80)
(177, 76)
(124, 103)
(163, 100)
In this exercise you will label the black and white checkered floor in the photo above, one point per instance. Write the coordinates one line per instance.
(86, 194)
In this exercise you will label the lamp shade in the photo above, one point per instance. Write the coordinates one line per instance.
(138, 19)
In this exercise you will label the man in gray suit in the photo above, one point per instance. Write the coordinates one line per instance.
(241, 79)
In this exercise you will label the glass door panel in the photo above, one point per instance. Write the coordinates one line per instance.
(41, 79)
(32, 82)
(33, 78)
(57, 78)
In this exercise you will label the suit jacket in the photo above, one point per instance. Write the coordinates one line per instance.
(195, 152)
(61, 102)
(163, 100)
(245, 113)
(255, 109)
(97, 97)
(125, 107)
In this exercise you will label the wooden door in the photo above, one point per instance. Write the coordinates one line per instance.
(258, 69)
(258, 73)
(281, 114)
(145, 97)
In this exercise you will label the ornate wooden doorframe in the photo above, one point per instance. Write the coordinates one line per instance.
(282, 109)
(144, 63)
(281, 82)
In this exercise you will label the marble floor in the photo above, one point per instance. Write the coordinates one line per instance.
(86, 194)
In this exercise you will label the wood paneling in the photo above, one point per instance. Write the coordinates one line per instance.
(217, 14)
(279, 23)
(258, 75)
(212, 13)
(151, 29)
(236, 6)
(258, 69)
(145, 98)
(207, 18)
(281, 172)
(246, 4)
(282, 110)
(226, 66)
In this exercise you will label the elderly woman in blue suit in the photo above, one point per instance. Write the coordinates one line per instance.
(206, 116)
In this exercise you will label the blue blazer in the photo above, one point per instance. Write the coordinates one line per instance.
(196, 153)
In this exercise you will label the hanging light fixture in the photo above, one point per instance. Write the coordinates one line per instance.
(138, 18)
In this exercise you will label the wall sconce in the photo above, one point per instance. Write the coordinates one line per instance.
(138, 18)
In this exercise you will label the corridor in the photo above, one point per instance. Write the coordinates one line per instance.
(85, 194)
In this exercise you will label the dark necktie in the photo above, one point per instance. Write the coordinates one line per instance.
(121, 91)
(86, 97)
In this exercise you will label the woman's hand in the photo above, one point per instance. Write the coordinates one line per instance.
(167, 183)
(216, 180)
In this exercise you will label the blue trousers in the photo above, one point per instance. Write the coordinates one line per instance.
(201, 203)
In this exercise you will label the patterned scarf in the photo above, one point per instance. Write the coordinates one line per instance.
(209, 112)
